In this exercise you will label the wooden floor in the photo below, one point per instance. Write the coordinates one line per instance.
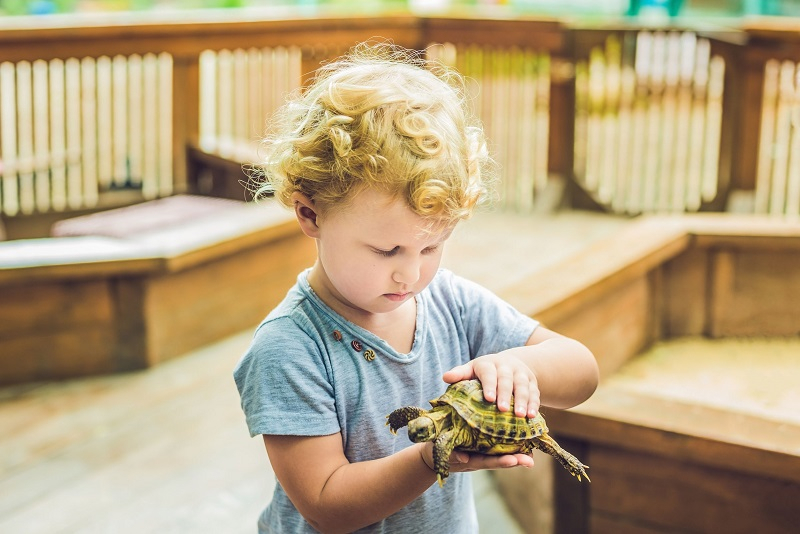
(167, 450)
(164, 450)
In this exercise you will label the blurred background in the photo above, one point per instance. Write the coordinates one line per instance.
(648, 205)
(683, 8)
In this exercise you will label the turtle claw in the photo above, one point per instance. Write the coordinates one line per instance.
(578, 469)
(584, 474)
(392, 429)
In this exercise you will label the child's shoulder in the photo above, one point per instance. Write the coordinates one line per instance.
(293, 302)
(297, 310)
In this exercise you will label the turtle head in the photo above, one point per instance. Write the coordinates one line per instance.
(421, 429)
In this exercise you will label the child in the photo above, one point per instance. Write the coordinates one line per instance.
(379, 160)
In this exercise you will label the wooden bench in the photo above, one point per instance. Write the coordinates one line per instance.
(129, 288)
(660, 464)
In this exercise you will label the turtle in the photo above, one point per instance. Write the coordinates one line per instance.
(462, 419)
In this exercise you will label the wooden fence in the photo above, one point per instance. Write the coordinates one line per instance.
(76, 127)
(778, 174)
(648, 119)
(636, 120)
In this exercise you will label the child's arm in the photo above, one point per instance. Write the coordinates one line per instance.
(334, 495)
(550, 369)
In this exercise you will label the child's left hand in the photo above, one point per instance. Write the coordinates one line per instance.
(501, 376)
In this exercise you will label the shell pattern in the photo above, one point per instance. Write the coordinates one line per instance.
(466, 398)
(461, 419)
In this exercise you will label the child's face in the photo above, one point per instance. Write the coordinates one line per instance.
(376, 254)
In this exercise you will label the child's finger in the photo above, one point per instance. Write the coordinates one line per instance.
(487, 374)
(533, 399)
(505, 388)
(504, 461)
(525, 460)
(459, 457)
(458, 373)
(522, 394)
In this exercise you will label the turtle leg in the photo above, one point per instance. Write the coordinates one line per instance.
(443, 447)
(547, 444)
(400, 417)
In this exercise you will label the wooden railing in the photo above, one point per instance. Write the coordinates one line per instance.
(774, 54)
(76, 127)
(648, 120)
(511, 95)
(778, 173)
(509, 89)
(101, 113)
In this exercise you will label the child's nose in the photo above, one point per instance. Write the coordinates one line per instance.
(406, 272)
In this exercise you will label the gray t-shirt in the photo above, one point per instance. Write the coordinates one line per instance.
(308, 373)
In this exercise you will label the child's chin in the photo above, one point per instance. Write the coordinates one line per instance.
(397, 298)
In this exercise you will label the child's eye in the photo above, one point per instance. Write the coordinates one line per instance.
(430, 250)
(387, 253)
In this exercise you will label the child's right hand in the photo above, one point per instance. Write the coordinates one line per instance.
(461, 461)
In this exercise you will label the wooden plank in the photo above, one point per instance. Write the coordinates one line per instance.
(8, 149)
(685, 292)
(105, 160)
(172, 249)
(756, 293)
(615, 326)
(182, 310)
(540, 241)
(571, 496)
(600, 268)
(53, 305)
(721, 290)
(601, 521)
(753, 231)
(539, 33)
(172, 137)
(130, 324)
(55, 330)
(119, 120)
(89, 134)
(697, 125)
(713, 140)
(56, 354)
(746, 148)
(700, 434)
(669, 494)
(134, 302)
(25, 161)
(89, 441)
(66, 412)
(685, 71)
(196, 31)
(136, 113)
(793, 177)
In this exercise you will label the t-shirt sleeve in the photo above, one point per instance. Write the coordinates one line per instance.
(491, 324)
(283, 383)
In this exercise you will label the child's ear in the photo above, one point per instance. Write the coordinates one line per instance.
(306, 214)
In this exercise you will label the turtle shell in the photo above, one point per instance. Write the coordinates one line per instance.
(466, 398)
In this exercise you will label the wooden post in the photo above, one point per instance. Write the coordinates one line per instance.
(185, 115)
(570, 496)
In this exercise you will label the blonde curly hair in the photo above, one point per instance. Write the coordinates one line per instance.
(380, 117)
